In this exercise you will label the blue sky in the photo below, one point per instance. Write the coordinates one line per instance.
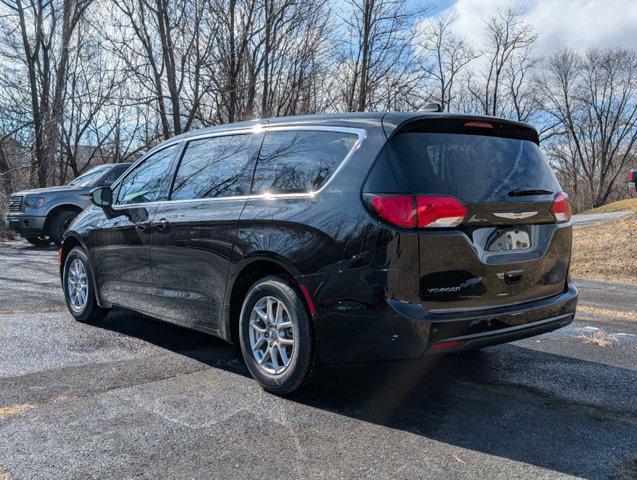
(573, 23)
(437, 7)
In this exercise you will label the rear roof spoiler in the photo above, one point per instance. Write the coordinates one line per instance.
(394, 123)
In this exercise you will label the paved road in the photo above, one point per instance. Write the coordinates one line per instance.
(589, 219)
(132, 397)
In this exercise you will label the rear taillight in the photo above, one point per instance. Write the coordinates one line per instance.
(441, 212)
(419, 211)
(631, 176)
(399, 210)
(561, 208)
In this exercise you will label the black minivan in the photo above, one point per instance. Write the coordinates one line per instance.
(333, 238)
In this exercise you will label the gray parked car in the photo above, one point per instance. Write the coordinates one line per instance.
(41, 215)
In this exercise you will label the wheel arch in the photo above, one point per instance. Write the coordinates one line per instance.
(73, 207)
(71, 241)
(244, 275)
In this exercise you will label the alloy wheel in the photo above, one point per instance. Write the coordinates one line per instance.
(272, 336)
(77, 285)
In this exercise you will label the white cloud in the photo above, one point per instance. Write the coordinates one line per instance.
(573, 23)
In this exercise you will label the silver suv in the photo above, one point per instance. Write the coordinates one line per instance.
(42, 215)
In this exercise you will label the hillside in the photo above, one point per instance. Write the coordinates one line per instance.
(607, 250)
(620, 206)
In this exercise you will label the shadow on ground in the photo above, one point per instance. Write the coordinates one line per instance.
(505, 401)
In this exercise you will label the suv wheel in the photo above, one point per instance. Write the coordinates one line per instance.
(276, 336)
(79, 289)
(59, 223)
(40, 241)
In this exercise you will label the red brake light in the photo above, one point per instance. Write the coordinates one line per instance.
(419, 211)
(399, 210)
(478, 124)
(561, 208)
(440, 212)
(631, 176)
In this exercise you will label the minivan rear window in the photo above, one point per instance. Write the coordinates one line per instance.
(474, 168)
(294, 161)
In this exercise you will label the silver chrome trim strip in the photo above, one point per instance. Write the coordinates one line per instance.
(361, 133)
(515, 215)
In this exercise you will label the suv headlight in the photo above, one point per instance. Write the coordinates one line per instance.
(34, 202)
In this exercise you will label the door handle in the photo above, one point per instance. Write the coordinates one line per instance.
(161, 224)
(143, 226)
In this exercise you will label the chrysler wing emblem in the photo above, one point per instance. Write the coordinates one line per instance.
(514, 215)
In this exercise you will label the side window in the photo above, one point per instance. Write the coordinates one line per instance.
(144, 183)
(114, 174)
(299, 160)
(214, 167)
(386, 175)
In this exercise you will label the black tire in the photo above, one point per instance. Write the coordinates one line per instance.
(58, 225)
(302, 360)
(90, 312)
(40, 241)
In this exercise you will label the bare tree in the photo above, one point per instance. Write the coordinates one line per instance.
(593, 98)
(165, 47)
(292, 52)
(268, 56)
(519, 83)
(93, 83)
(40, 39)
(380, 36)
(445, 54)
(508, 36)
(233, 69)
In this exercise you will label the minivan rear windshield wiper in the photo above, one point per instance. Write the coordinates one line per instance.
(523, 192)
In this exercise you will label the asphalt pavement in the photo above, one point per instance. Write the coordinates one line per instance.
(133, 397)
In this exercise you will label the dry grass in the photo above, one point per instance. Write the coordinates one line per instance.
(600, 339)
(460, 460)
(606, 312)
(19, 409)
(606, 251)
(630, 204)
(15, 410)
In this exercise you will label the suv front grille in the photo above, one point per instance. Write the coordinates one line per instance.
(15, 204)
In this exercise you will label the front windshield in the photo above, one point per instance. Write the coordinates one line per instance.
(90, 176)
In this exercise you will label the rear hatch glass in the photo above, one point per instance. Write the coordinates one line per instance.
(474, 168)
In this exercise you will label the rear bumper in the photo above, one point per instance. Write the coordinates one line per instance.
(503, 335)
(477, 328)
(404, 330)
(24, 224)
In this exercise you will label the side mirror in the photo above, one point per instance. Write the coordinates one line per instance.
(102, 197)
